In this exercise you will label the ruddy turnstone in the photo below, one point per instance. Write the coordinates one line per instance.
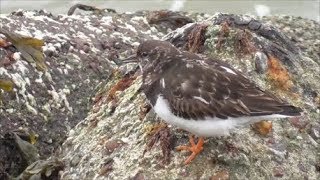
(204, 96)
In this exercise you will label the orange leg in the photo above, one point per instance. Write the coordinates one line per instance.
(194, 148)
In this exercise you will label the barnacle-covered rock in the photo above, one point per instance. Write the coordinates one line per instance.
(85, 94)
(79, 53)
(245, 154)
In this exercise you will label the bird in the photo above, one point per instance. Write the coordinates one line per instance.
(204, 96)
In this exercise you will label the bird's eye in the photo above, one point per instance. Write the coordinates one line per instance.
(144, 54)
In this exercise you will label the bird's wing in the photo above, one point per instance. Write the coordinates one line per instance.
(199, 89)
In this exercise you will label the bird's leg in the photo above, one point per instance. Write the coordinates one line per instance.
(194, 148)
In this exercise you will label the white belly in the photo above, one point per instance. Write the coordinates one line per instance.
(205, 127)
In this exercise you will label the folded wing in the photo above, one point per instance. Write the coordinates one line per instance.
(218, 90)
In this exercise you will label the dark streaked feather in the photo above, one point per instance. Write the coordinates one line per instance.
(196, 87)
(228, 95)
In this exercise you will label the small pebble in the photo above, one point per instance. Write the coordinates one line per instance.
(221, 175)
(292, 133)
(75, 160)
(139, 176)
(261, 62)
(278, 172)
(315, 133)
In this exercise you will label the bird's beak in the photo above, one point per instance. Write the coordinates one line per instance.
(130, 59)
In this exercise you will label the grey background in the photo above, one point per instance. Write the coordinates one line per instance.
(308, 8)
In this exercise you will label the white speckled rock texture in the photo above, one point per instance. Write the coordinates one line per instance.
(109, 140)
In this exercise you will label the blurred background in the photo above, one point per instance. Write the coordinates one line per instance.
(304, 8)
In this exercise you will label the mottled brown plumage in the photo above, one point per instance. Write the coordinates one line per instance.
(206, 97)
(198, 87)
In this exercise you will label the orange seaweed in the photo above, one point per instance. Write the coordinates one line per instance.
(197, 38)
(263, 127)
(224, 32)
(121, 85)
(278, 75)
(244, 43)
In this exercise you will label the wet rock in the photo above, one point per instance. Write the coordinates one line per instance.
(288, 53)
(52, 102)
(48, 169)
(17, 154)
(248, 155)
(168, 19)
(49, 103)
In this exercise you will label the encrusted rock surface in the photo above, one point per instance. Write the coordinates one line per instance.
(84, 86)
(80, 53)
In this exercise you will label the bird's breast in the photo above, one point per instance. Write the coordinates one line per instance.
(205, 127)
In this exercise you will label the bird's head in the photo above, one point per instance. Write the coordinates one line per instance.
(153, 53)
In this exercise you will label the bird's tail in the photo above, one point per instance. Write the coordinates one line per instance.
(289, 110)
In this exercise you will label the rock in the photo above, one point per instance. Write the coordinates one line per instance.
(75, 160)
(292, 133)
(167, 20)
(82, 90)
(315, 132)
(138, 176)
(222, 175)
(112, 145)
(48, 169)
(16, 154)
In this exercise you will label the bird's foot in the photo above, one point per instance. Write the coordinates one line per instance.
(194, 148)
